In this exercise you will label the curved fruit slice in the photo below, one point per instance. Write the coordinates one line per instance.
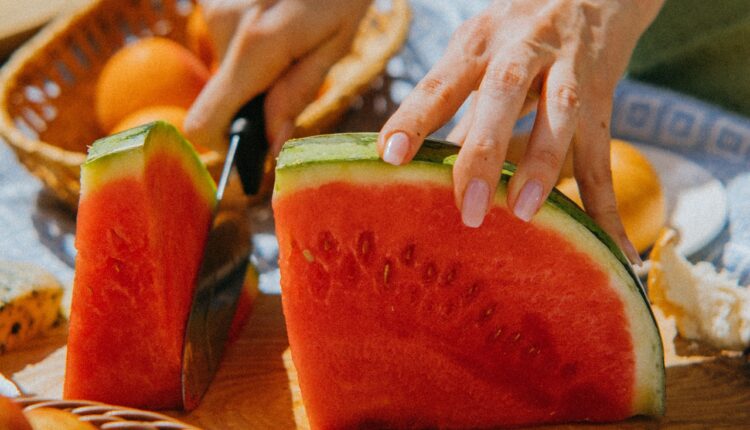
(145, 209)
(399, 315)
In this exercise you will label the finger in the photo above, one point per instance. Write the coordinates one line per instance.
(248, 67)
(548, 145)
(298, 86)
(260, 51)
(438, 95)
(499, 102)
(592, 167)
(459, 132)
(223, 18)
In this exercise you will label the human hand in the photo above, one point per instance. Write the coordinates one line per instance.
(284, 47)
(571, 53)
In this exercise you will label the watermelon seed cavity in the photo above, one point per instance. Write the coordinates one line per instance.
(407, 256)
(366, 245)
(430, 273)
(386, 271)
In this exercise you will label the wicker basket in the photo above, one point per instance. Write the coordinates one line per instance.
(47, 87)
(106, 416)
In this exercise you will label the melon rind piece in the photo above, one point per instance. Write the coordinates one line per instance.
(146, 207)
(312, 162)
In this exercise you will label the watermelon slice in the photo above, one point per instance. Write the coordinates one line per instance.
(144, 213)
(400, 316)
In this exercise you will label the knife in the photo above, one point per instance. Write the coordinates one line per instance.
(225, 256)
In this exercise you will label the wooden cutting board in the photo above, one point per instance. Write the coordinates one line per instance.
(252, 390)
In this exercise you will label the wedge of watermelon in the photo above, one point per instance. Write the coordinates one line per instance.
(400, 316)
(145, 209)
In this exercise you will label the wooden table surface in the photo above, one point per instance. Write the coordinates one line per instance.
(252, 390)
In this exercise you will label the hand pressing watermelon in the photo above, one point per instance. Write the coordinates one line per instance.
(399, 315)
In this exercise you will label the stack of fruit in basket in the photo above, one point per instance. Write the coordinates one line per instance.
(154, 78)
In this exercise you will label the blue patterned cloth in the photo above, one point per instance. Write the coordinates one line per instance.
(33, 227)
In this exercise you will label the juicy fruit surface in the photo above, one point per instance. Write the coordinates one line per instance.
(148, 72)
(388, 326)
(140, 238)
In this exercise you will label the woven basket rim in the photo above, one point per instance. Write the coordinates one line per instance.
(9, 73)
(92, 408)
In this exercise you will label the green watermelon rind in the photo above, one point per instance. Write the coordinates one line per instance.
(135, 139)
(355, 149)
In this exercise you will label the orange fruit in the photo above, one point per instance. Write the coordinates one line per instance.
(11, 416)
(638, 191)
(148, 72)
(199, 38)
(174, 115)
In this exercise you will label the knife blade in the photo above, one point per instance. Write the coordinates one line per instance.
(225, 257)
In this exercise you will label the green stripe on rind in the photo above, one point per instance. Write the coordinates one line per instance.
(356, 148)
(136, 138)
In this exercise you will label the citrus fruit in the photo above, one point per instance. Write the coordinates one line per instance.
(148, 72)
(11, 416)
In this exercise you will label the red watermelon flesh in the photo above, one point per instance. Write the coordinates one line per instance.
(145, 209)
(400, 316)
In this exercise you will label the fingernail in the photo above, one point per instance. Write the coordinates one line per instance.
(396, 148)
(476, 199)
(632, 253)
(528, 200)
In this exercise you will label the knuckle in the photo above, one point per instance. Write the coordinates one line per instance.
(436, 88)
(602, 210)
(507, 78)
(483, 150)
(548, 159)
(596, 177)
(472, 35)
(565, 96)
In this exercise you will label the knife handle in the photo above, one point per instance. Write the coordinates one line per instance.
(249, 128)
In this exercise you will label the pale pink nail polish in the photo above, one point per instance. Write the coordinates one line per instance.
(396, 148)
(476, 200)
(529, 200)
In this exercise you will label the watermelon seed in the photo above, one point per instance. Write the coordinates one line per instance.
(473, 291)
(533, 351)
(327, 242)
(308, 255)
(496, 334)
(450, 275)
(407, 256)
(516, 337)
(365, 244)
(391, 308)
(430, 273)
(386, 271)
(487, 314)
